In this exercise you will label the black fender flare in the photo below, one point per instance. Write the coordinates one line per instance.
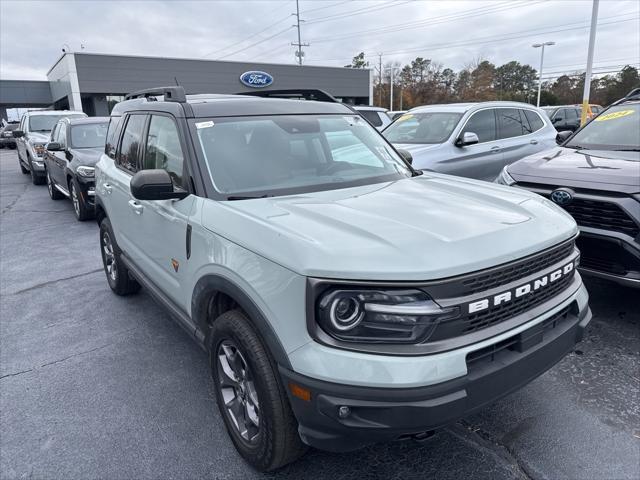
(210, 284)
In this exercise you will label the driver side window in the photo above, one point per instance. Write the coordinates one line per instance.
(163, 148)
(483, 124)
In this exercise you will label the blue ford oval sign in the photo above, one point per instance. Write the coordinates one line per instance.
(256, 79)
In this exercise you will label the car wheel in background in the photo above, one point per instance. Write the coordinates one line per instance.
(35, 178)
(250, 395)
(54, 193)
(22, 168)
(117, 273)
(80, 208)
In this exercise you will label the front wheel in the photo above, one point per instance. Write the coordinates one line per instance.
(117, 273)
(35, 178)
(80, 208)
(250, 395)
(54, 193)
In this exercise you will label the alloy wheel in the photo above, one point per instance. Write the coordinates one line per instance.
(109, 257)
(236, 383)
(49, 185)
(74, 199)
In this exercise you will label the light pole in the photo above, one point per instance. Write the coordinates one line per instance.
(587, 77)
(392, 69)
(538, 45)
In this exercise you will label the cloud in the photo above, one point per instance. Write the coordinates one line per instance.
(32, 33)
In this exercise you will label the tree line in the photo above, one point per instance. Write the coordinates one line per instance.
(423, 82)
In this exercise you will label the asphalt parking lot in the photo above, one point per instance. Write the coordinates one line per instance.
(97, 386)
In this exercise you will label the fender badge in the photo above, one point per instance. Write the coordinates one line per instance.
(175, 264)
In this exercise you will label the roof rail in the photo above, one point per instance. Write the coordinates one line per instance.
(171, 94)
(300, 93)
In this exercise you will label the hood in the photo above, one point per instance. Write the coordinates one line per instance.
(86, 156)
(596, 169)
(418, 148)
(40, 137)
(423, 228)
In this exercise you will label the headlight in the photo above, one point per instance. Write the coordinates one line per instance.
(405, 316)
(504, 178)
(86, 171)
(38, 148)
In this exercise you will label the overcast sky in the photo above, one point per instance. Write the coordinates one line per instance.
(452, 32)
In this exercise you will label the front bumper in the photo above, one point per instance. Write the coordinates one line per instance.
(610, 256)
(87, 190)
(8, 142)
(384, 414)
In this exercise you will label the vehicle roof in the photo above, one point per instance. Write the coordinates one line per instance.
(220, 105)
(85, 120)
(465, 107)
(53, 112)
(370, 108)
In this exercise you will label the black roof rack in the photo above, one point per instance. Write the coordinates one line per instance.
(299, 93)
(171, 94)
(633, 93)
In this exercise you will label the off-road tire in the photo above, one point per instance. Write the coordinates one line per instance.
(277, 442)
(121, 281)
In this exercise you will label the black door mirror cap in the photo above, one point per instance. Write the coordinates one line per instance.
(54, 147)
(405, 154)
(18, 133)
(562, 137)
(155, 184)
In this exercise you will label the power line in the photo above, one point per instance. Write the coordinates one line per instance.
(326, 6)
(431, 21)
(352, 13)
(219, 50)
(494, 38)
(256, 43)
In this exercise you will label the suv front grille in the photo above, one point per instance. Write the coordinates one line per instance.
(518, 270)
(603, 215)
(517, 343)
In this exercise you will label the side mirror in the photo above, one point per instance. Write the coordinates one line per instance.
(468, 138)
(155, 184)
(405, 155)
(18, 133)
(53, 147)
(557, 120)
(561, 137)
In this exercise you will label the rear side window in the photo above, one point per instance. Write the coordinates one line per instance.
(372, 117)
(163, 148)
(129, 151)
(112, 137)
(535, 122)
(483, 124)
(510, 123)
(572, 113)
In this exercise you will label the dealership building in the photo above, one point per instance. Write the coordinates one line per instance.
(95, 82)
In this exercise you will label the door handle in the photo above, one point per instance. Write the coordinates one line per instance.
(107, 188)
(136, 207)
(533, 142)
(495, 149)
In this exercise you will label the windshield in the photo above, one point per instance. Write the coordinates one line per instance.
(89, 135)
(288, 154)
(45, 123)
(549, 110)
(427, 127)
(616, 129)
(11, 126)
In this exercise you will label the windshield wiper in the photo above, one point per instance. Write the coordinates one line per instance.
(246, 197)
(577, 147)
(627, 150)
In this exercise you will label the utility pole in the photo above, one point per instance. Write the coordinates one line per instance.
(587, 77)
(392, 70)
(538, 45)
(380, 79)
(299, 53)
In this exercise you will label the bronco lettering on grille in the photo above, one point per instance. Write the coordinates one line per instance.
(522, 290)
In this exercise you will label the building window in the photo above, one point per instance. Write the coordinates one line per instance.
(112, 100)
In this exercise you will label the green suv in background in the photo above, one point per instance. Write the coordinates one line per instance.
(343, 298)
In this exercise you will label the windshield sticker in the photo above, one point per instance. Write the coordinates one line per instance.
(613, 115)
(200, 125)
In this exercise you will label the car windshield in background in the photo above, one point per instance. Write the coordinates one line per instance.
(45, 123)
(89, 135)
(616, 129)
(549, 111)
(427, 127)
(289, 154)
(11, 127)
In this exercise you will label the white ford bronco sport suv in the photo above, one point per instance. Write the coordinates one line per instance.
(343, 298)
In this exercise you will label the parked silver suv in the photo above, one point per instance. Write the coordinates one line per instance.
(474, 140)
(343, 298)
(31, 137)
